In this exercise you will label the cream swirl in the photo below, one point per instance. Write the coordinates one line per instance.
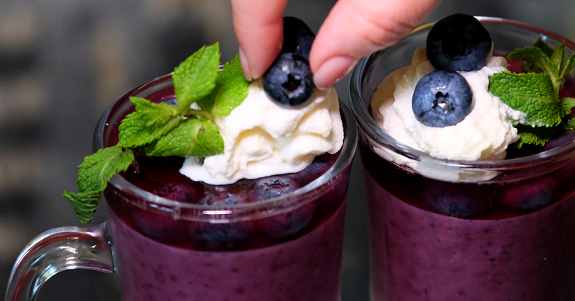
(263, 139)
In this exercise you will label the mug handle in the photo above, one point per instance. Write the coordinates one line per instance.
(58, 250)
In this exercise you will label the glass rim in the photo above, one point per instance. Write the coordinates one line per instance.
(368, 125)
(343, 160)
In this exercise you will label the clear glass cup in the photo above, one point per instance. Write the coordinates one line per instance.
(285, 248)
(465, 230)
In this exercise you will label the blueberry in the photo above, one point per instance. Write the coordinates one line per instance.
(457, 199)
(298, 37)
(289, 80)
(289, 223)
(528, 194)
(159, 227)
(271, 187)
(220, 236)
(441, 98)
(458, 43)
(181, 192)
(318, 167)
(220, 198)
(170, 100)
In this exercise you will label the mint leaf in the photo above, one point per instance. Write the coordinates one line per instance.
(567, 105)
(148, 123)
(558, 57)
(93, 176)
(547, 50)
(98, 168)
(160, 129)
(530, 93)
(544, 47)
(569, 123)
(534, 135)
(192, 137)
(536, 94)
(196, 76)
(234, 90)
(230, 91)
(568, 66)
(537, 57)
(84, 204)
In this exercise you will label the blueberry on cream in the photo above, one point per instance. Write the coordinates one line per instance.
(441, 98)
(289, 81)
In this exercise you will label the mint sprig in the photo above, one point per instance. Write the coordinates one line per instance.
(536, 92)
(196, 76)
(161, 129)
(93, 176)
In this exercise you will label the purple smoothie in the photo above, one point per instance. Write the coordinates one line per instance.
(510, 237)
(503, 253)
(224, 242)
(306, 268)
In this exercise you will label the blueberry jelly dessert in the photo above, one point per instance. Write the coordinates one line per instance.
(218, 192)
(469, 182)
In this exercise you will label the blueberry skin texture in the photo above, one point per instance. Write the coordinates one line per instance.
(271, 187)
(289, 80)
(458, 43)
(456, 199)
(288, 224)
(442, 98)
(284, 224)
(220, 236)
(298, 37)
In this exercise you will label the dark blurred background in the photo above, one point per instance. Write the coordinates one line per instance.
(63, 62)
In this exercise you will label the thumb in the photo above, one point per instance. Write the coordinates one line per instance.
(355, 28)
(258, 25)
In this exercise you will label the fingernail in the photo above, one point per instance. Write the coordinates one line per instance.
(245, 64)
(332, 71)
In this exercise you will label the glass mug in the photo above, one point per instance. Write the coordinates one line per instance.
(465, 230)
(160, 249)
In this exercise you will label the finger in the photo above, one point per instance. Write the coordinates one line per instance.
(258, 25)
(356, 28)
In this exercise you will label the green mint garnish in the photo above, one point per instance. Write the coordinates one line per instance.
(191, 137)
(534, 135)
(536, 92)
(196, 76)
(160, 129)
(530, 93)
(148, 123)
(93, 175)
(230, 91)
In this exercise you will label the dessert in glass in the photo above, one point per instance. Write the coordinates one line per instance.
(178, 230)
(498, 227)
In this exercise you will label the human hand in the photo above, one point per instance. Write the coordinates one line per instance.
(353, 29)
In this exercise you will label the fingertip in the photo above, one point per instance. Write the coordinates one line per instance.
(245, 65)
(355, 29)
(332, 71)
(258, 25)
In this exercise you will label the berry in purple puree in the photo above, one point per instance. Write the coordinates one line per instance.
(441, 240)
(294, 254)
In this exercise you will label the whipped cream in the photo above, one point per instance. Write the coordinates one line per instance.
(484, 134)
(263, 139)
